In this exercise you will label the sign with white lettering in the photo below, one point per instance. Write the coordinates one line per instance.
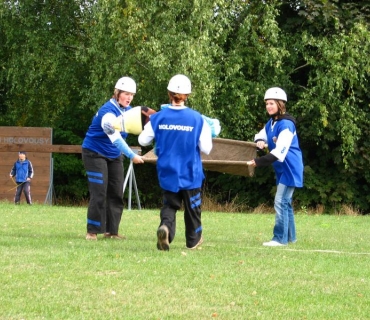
(24, 140)
(24, 137)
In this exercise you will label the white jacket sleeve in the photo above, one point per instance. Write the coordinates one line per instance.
(147, 135)
(205, 139)
(283, 143)
(261, 135)
(107, 123)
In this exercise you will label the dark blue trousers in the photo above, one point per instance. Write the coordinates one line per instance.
(191, 200)
(105, 178)
(24, 187)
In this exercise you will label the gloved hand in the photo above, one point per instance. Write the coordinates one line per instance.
(145, 115)
(214, 124)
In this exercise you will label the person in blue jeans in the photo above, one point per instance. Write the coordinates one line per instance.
(22, 170)
(279, 135)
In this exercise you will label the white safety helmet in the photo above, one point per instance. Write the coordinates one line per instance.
(126, 84)
(179, 84)
(276, 93)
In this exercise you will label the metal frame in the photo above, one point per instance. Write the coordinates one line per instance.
(130, 178)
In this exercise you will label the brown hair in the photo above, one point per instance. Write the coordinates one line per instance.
(281, 106)
(177, 97)
(116, 93)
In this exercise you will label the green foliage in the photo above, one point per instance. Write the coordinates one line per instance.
(253, 62)
(153, 40)
(337, 83)
(70, 180)
(41, 73)
(59, 61)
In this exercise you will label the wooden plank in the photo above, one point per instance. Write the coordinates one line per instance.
(6, 157)
(26, 135)
(36, 160)
(40, 169)
(48, 148)
(32, 140)
(10, 184)
(228, 156)
(34, 191)
(40, 148)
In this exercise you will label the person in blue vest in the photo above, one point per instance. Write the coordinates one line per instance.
(180, 135)
(22, 170)
(103, 151)
(213, 123)
(280, 137)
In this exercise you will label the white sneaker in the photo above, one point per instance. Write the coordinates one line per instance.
(273, 243)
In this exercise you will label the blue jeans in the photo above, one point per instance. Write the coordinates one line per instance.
(284, 229)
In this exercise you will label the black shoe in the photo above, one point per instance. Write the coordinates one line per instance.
(162, 237)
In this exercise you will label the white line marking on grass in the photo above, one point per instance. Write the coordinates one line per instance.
(330, 251)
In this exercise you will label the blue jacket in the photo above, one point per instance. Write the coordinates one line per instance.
(96, 139)
(22, 170)
(290, 171)
(285, 154)
(177, 133)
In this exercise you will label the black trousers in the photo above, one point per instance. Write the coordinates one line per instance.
(24, 187)
(105, 179)
(192, 214)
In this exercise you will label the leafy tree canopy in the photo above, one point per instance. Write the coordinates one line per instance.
(59, 61)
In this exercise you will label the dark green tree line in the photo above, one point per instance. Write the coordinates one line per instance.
(60, 59)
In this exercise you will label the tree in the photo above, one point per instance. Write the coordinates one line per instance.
(60, 60)
(41, 77)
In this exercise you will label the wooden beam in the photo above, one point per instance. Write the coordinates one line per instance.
(40, 148)
(47, 148)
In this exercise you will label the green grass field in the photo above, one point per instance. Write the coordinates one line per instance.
(49, 270)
